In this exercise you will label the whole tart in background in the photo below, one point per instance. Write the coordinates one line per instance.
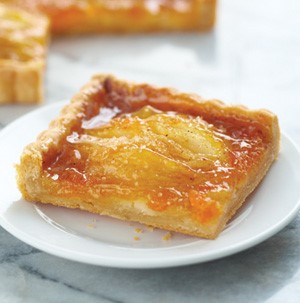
(24, 27)
(23, 46)
(124, 16)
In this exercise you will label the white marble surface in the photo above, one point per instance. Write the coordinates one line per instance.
(252, 57)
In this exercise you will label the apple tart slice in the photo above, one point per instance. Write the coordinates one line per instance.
(23, 43)
(151, 155)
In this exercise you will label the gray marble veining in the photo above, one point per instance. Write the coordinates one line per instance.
(252, 57)
(252, 276)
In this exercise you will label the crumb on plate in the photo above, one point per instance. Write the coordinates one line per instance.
(138, 230)
(167, 236)
(91, 225)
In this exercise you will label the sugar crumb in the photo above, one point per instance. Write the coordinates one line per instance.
(91, 225)
(136, 238)
(167, 236)
(138, 230)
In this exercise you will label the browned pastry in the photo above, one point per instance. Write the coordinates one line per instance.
(152, 155)
(23, 43)
(125, 16)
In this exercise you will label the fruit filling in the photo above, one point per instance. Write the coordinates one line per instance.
(165, 158)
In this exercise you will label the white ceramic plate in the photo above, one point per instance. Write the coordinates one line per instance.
(99, 240)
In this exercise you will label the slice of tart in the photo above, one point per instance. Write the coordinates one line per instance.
(151, 155)
(23, 43)
(124, 16)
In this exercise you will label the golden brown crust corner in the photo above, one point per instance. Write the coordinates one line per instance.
(51, 138)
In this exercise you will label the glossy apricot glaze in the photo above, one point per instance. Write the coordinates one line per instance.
(151, 152)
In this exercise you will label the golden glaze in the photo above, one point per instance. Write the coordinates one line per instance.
(79, 16)
(136, 150)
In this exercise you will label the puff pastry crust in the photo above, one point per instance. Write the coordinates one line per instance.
(23, 40)
(124, 16)
(152, 155)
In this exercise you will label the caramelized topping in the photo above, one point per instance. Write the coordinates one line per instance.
(166, 158)
(130, 15)
(22, 35)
